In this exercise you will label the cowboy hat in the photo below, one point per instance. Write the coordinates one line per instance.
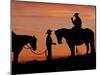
(49, 31)
(76, 14)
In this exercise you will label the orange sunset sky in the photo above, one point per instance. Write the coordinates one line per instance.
(32, 18)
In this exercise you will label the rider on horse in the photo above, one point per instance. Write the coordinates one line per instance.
(77, 29)
(77, 22)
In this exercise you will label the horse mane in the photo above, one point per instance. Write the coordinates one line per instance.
(61, 31)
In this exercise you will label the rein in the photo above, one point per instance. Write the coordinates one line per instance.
(28, 47)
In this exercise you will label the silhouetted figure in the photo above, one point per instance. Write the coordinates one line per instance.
(86, 36)
(76, 30)
(18, 42)
(49, 45)
(77, 21)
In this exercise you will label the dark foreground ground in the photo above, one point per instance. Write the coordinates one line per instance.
(61, 64)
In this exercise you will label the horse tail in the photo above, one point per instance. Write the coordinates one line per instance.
(92, 43)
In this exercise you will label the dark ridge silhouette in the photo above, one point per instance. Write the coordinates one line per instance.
(71, 63)
(18, 41)
(49, 44)
(76, 37)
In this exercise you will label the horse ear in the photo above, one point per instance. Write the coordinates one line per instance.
(33, 36)
(55, 32)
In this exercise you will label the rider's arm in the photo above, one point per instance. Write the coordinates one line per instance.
(54, 43)
(73, 21)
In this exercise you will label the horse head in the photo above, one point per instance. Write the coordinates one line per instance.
(59, 36)
(33, 43)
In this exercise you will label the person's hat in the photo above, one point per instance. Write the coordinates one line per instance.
(48, 31)
(76, 14)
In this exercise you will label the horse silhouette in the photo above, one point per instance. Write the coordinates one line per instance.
(76, 37)
(18, 41)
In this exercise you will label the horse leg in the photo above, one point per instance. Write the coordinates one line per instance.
(92, 45)
(72, 48)
(87, 47)
(16, 54)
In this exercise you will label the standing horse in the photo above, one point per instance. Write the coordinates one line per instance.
(18, 42)
(76, 37)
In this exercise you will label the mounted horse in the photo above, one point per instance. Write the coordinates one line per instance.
(76, 37)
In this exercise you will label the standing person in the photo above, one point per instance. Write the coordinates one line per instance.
(49, 44)
(77, 21)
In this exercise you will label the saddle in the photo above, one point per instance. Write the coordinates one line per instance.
(76, 34)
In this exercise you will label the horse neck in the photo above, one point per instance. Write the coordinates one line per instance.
(25, 39)
(28, 39)
(65, 33)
